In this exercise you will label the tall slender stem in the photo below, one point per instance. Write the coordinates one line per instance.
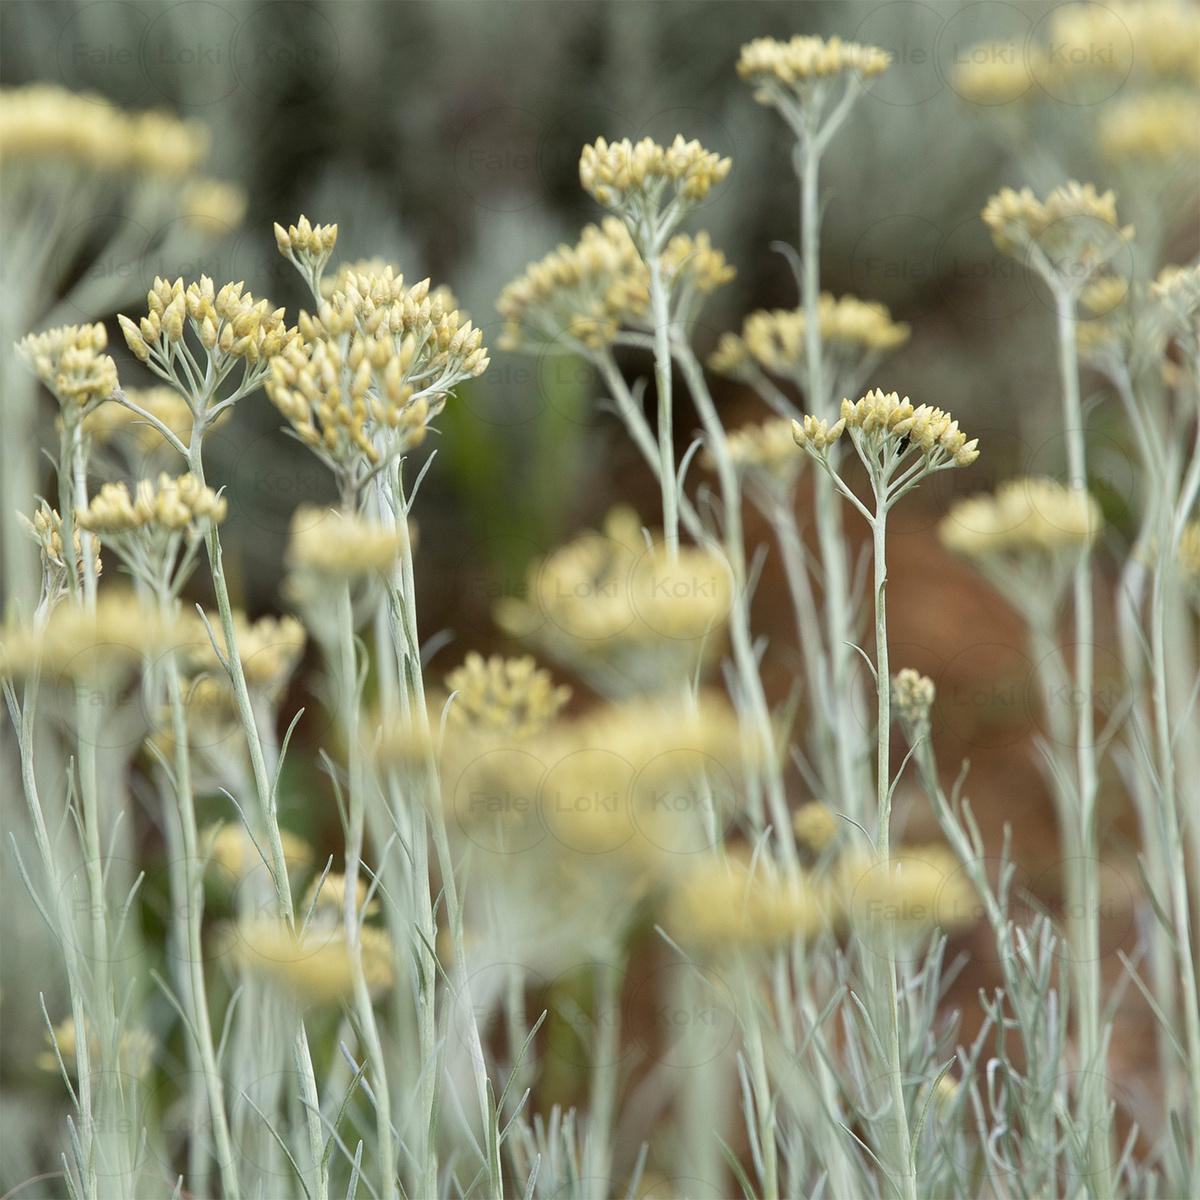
(660, 312)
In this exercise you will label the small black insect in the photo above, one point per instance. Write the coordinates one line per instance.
(904, 443)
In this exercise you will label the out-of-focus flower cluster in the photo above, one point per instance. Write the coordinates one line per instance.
(70, 361)
(510, 696)
(583, 295)
(768, 63)
(620, 610)
(43, 121)
(854, 334)
(339, 545)
(171, 505)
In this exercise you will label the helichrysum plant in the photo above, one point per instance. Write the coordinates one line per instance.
(396, 1018)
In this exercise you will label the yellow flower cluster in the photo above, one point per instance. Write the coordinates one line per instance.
(767, 62)
(1189, 554)
(135, 1050)
(326, 899)
(608, 601)
(996, 72)
(590, 290)
(342, 545)
(878, 415)
(1025, 516)
(270, 649)
(587, 290)
(509, 696)
(317, 967)
(227, 322)
(69, 361)
(768, 449)
(304, 238)
(229, 847)
(1159, 127)
(850, 329)
(165, 403)
(43, 121)
(611, 173)
(170, 504)
(815, 826)
(912, 698)
(77, 645)
(723, 905)
(213, 207)
(1160, 39)
(46, 530)
(1018, 218)
(379, 358)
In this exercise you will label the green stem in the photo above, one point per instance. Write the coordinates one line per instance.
(659, 309)
(193, 879)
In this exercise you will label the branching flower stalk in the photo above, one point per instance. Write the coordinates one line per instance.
(1067, 240)
(899, 445)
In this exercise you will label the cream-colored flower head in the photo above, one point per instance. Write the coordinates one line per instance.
(70, 361)
(46, 529)
(306, 239)
(578, 298)
(815, 825)
(1068, 238)
(507, 696)
(317, 967)
(855, 334)
(43, 121)
(768, 448)
(917, 890)
(270, 649)
(585, 292)
(912, 699)
(1024, 517)
(371, 370)
(884, 424)
(229, 323)
(229, 848)
(115, 420)
(181, 505)
(78, 646)
(620, 173)
(328, 542)
(992, 73)
(1176, 292)
(620, 610)
(135, 1050)
(769, 64)
(213, 207)
(324, 902)
(719, 907)
(1160, 127)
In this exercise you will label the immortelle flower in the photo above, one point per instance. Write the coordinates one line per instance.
(578, 298)
(117, 419)
(270, 649)
(155, 532)
(622, 611)
(912, 699)
(135, 1050)
(229, 325)
(316, 967)
(903, 898)
(504, 695)
(887, 430)
(1159, 128)
(718, 907)
(994, 73)
(800, 77)
(369, 372)
(228, 847)
(46, 530)
(1067, 238)
(815, 825)
(69, 361)
(1177, 292)
(765, 454)
(43, 121)
(213, 207)
(1025, 539)
(329, 542)
(81, 648)
(855, 335)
